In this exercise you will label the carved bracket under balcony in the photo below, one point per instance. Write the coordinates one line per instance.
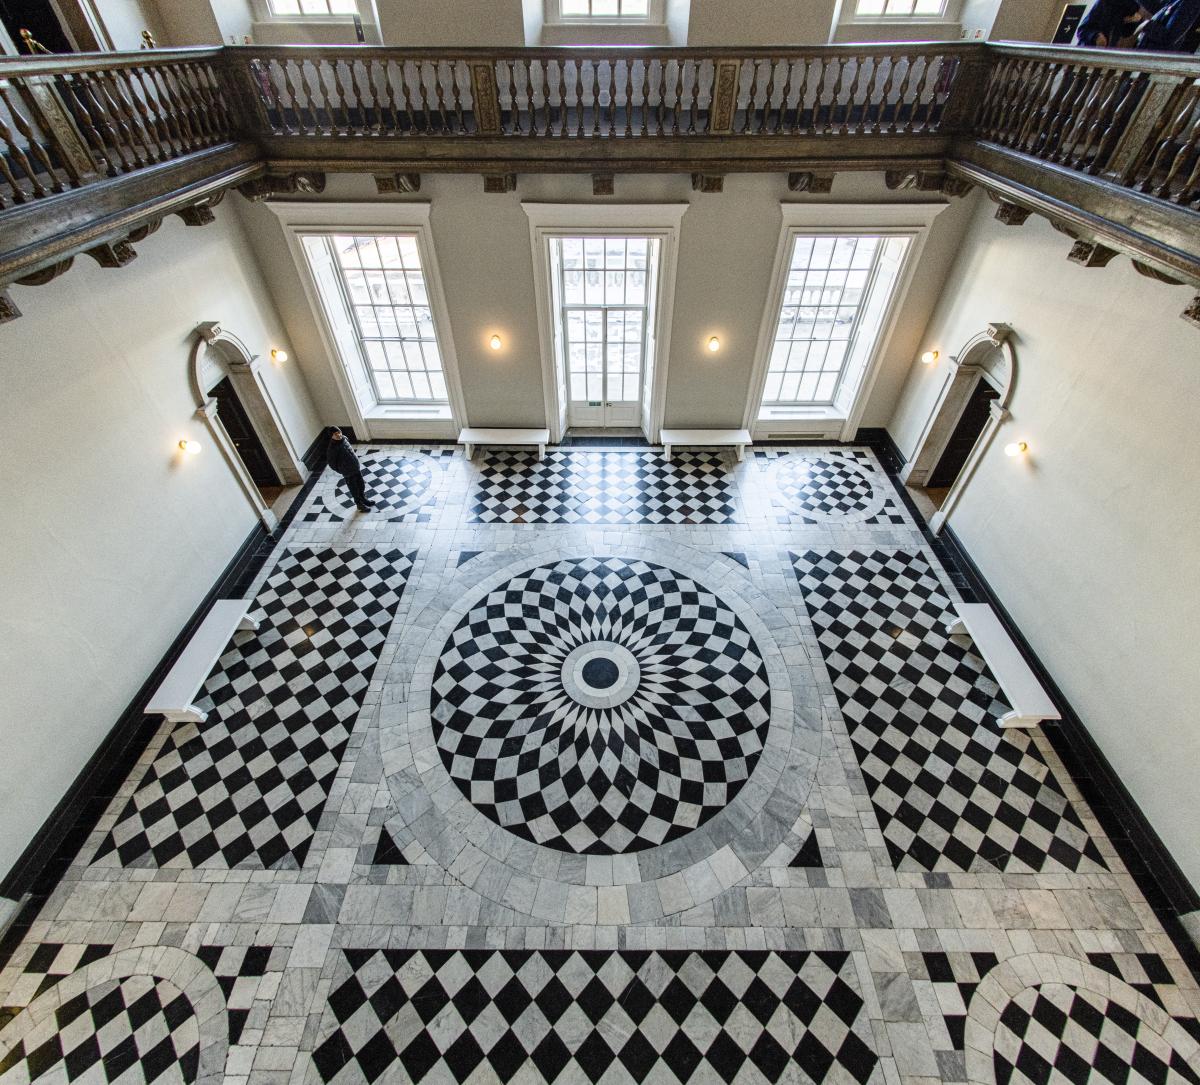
(816, 183)
(499, 182)
(1090, 254)
(1011, 214)
(1192, 313)
(391, 184)
(201, 214)
(8, 308)
(708, 182)
(920, 180)
(310, 183)
(1154, 273)
(113, 254)
(603, 184)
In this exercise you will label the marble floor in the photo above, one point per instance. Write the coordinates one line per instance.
(600, 769)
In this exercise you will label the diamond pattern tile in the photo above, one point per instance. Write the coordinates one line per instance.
(446, 1015)
(247, 787)
(603, 488)
(952, 791)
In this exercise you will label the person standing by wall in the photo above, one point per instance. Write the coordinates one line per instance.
(342, 459)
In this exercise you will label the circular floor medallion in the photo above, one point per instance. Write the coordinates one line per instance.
(826, 488)
(600, 705)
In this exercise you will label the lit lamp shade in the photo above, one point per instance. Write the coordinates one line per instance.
(929, 357)
(279, 355)
(496, 342)
(1017, 448)
(714, 345)
(190, 448)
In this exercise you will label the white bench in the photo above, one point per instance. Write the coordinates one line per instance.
(174, 697)
(522, 438)
(707, 438)
(1030, 703)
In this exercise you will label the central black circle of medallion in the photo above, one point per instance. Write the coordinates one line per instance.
(601, 673)
(600, 705)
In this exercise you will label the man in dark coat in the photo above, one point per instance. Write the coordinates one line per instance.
(1107, 22)
(342, 459)
(1169, 29)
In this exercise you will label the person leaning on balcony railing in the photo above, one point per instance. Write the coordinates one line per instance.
(1162, 25)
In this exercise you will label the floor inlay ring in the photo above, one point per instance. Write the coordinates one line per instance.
(828, 488)
(701, 848)
(600, 705)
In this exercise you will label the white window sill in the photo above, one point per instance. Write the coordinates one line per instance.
(394, 412)
(801, 414)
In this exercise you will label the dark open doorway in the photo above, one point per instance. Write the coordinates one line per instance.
(40, 19)
(954, 457)
(245, 439)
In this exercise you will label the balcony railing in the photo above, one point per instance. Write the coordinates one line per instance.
(596, 94)
(115, 136)
(66, 122)
(1130, 118)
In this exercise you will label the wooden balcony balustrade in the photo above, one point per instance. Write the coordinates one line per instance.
(95, 146)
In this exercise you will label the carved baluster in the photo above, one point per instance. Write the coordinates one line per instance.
(612, 98)
(140, 114)
(627, 67)
(1035, 112)
(440, 86)
(835, 100)
(190, 106)
(694, 105)
(122, 115)
(646, 65)
(426, 117)
(202, 108)
(577, 97)
(17, 154)
(898, 110)
(752, 104)
(176, 114)
(807, 66)
(768, 95)
(356, 91)
(293, 102)
(595, 67)
(1003, 84)
(530, 98)
(1082, 118)
(19, 195)
(545, 69)
(122, 160)
(1074, 79)
(155, 113)
(1169, 155)
(75, 95)
(565, 101)
(213, 86)
(34, 143)
(923, 94)
(1030, 76)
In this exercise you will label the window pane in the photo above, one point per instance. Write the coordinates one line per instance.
(635, 8)
(605, 7)
(575, 7)
(285, 7)
(383, 280)
(314, 7)
(819, 316)
(343, 7)
(870, 7)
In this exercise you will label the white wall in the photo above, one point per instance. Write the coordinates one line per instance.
(124, 21)
(1093, 540)
(109, 538)
(727, 249)
(760, 22)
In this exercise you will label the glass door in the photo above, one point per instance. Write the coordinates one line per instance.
(605, 300)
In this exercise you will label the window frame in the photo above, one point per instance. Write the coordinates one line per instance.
(851, 339)
(948, 13)
(356, 321)
(912, 220)
(656, 15)
(301, 218)
(264, 13)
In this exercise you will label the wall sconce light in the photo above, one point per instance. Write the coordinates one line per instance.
(929, 357)
(192, 448)
(496, 342)
(714, 345)
(1016, 448)
(279, 355)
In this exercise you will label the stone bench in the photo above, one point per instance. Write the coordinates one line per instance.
(1030, 702)
(707, 438)
(173, 699)
(519, 438)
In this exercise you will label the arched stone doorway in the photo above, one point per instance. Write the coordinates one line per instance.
(219, 357)
(989, 357)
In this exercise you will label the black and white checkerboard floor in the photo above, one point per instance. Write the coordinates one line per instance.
(600, 768)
